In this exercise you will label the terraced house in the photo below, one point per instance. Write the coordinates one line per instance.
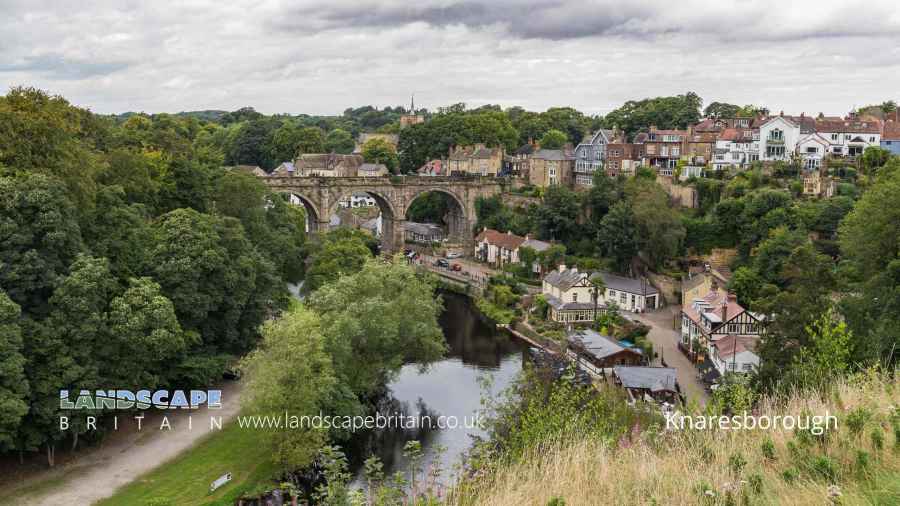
(590, 157)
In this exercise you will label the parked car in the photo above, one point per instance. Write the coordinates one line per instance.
(454, 254)
(456, 267)
(442, 263)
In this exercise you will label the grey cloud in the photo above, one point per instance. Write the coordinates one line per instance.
(575, 19)
(58, 67)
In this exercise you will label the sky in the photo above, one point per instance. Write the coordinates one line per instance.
(322, 56)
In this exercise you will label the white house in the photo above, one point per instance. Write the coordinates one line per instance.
(736, 147)
(497, 248)
(629, 294)
(849, 137)
(734, 353)
(812, 149)
(778, 138)
(570, 295)
(358, 200)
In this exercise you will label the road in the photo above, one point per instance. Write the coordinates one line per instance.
(665, 343)
(121, 460)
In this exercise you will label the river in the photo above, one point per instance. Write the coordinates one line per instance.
(451, 387)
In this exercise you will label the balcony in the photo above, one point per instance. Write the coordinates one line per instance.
(775, 142)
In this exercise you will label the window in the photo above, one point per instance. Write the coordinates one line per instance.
(812, 149)
(747, 367)
(872, 139)
(776, 135)
(612, 293)
(834, 137)
(575, 297)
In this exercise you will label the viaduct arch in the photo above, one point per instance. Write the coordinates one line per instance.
(321, 195)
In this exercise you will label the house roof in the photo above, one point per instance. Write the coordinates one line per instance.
(567, 306)
(506, 240)
(719, 305)
(597, 344)
(551, 154)
(849, 126)
(624, 284)
(641, 137)
(891, 131)
(655, 379)
(564, 279)
(327, 161)
(536, 245)
(736, 134)
(525, 149)
(732, 344)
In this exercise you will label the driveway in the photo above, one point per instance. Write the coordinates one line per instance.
(665, 343)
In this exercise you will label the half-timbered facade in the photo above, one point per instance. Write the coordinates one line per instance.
(718, 314)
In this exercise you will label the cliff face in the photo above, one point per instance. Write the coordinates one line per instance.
(856, 463)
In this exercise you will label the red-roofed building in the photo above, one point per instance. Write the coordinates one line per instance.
(498, 248)
(718, 314)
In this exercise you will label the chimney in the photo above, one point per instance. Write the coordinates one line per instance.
(561, 267)
(781, 114)
(509, 232)
(730, 297)
(725, 310)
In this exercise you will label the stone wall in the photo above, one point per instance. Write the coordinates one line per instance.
(684, 196)
(668, 287)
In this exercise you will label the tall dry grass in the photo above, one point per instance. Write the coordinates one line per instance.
(844, 466)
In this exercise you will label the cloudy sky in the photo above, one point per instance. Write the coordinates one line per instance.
(321, 56)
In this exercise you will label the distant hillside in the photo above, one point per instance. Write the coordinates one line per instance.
(207, 115)
(859, 463)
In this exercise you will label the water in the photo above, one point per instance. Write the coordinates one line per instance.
(449, 387)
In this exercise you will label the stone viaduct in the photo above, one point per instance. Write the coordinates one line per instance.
(394, 195)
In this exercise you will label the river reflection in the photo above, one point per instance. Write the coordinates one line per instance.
(449, 387)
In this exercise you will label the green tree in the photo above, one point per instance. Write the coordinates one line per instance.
(825, 357)
(44, 134)
(119, 232)
(13, 384)
(253, 144)
(721, 110)
(291, 371)
(659, 231)
(145, 336)
(663, 112)
(874, 158)
(870, 244)
(185, 184)
(557, 217)
(336, 255)
(339, 141)
(616, 236)
(377, 319)
(554, 139)
(39, 238)
(380, 151)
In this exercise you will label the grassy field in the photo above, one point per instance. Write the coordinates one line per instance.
(185, 480)
(856, 464)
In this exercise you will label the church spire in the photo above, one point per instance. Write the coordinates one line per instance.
(412, 103)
